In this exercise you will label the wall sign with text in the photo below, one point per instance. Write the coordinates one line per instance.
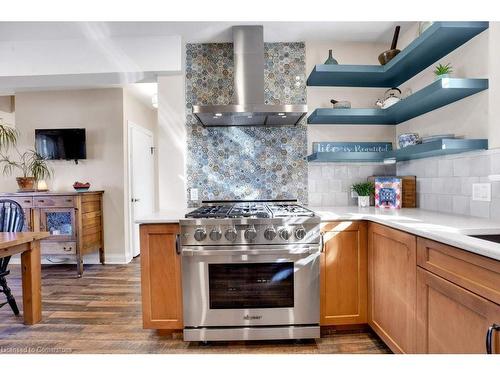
(352, 146)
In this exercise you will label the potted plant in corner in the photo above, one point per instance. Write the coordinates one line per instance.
(443, 71)
(364, 190)
(32, 165)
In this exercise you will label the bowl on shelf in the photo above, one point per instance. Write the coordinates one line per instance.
(408, 139)
(80, 186)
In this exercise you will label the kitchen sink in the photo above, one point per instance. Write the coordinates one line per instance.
(488, 237)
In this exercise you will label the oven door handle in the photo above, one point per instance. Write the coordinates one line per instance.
(303, 251)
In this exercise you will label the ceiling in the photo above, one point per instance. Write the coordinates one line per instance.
(203, 32)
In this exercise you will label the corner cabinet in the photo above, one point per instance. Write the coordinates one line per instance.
(74, 220)
(161, 279)
(343, 273)
(392, 275)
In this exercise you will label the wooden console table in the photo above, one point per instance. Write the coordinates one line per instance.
(73, 219)
(28, 245)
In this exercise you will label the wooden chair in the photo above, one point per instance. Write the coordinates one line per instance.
(11, 220)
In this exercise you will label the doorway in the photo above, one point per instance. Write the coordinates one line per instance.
(141, 179)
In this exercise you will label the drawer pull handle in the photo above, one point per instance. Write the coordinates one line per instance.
(41, 201)
(27, 201)
(67, 249)
(68, 200)
(489, 334)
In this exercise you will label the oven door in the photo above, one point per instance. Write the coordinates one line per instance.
(249, 286)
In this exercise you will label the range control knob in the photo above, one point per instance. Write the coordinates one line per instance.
(250, 234)
(300, 233)
(231, 234)
(200, 234)
(215, 234)
(270, 233)
(285, 234)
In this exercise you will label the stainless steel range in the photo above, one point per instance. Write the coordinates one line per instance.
(250, 271)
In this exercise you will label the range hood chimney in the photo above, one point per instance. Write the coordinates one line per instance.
(249, 110)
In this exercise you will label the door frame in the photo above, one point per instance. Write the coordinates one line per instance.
(130, 224)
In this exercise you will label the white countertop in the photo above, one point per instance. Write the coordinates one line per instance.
(446, 228)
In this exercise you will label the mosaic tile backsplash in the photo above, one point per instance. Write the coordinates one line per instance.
(246, 162)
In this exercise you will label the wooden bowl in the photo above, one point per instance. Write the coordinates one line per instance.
(387, 56)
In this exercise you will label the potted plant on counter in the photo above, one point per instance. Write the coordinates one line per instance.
(32, 166)
(364, 190)
(443, 71)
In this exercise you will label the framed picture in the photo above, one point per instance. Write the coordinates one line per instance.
(388, 192)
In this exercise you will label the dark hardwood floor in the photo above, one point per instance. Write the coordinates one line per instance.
(101, 313)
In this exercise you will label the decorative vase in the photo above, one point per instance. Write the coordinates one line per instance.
(330, 60)
(438, 77)
(364, 201)
(26, 183)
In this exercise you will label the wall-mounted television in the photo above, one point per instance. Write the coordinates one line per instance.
(61, 144)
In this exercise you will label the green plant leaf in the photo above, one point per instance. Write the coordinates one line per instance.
(364, 189)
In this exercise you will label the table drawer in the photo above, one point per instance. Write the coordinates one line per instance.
(58, 248)
(25, 202)
(54, 201)
(474, 272)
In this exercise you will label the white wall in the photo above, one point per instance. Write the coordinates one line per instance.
(100, 111)
(472, 117)
(140, 114)
(319, 97)
(171, 156)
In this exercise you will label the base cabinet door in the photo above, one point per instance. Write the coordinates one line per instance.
(343, 275)
(450, 319)
(161, 276)
(392, 286)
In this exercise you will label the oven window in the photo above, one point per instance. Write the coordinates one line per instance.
(250, 285)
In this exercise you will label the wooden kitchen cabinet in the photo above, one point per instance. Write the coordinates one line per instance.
(161, 276)
(451, 319)
(458, 298)
(343, 273)
(392, 287)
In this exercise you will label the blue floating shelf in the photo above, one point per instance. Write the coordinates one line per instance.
(438, 94)
(439, 148)
(425, 150)
(436, 42)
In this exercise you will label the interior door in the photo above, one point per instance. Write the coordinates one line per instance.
(141, 164)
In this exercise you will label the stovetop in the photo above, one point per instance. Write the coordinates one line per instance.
(249, 209)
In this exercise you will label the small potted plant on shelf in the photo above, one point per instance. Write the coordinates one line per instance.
(443, 71)
(32, 165)
(364, 190)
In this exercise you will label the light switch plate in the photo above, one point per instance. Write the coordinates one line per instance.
(193, 194)
(481, 192)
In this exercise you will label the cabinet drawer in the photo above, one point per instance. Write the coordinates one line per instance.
(476, 273)
(54, 201)
(58, 248)
(25, 202)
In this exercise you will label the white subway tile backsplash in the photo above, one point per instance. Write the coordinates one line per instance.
(495, 209)
(445, 203)
(462, 167)
(480, 166)
(461, 205)
(480, 209)
(445, 168)
(315, 199)
(431, 168)
(467, 185)
(495, 163)
(450, 190)
(330, 183)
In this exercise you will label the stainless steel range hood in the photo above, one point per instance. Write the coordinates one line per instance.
(249, 110)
